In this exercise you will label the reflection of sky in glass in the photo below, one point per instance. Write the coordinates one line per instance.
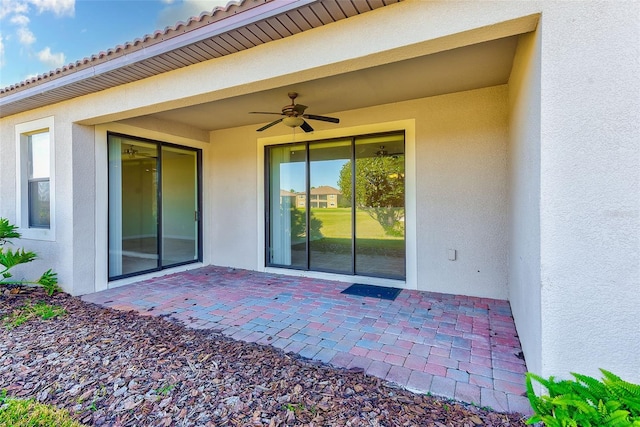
(292, 175)
(39, 155)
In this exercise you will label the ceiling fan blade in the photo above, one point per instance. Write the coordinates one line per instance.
(264, 112)
(299, 108)
(306, 127)
(269, 125)
(323, 118)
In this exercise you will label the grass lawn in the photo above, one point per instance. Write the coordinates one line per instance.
(371, 238)
(336, 223)
(28, 413)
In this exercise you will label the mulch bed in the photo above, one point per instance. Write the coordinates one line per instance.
(113, 368)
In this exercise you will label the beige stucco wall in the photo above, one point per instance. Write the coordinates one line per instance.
(461, 154)
(524, 197)
(574, 174)
(233, 235)
(590, 188)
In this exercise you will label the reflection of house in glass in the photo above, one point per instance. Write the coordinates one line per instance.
(321, 197)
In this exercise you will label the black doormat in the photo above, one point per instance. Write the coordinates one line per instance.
(381, 292)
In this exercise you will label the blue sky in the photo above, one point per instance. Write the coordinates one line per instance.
(325, 172)
(37, 36)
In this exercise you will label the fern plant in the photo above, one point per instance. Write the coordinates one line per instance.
(10, 258)
(585, 402)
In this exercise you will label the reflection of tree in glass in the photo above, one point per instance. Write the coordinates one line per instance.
(298, 229)
(379, 190)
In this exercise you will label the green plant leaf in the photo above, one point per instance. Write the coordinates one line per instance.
(49, 281)
(10, 258)
(585, 402)
(7, 231)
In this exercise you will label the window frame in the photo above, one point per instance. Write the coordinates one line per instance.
(23, 131)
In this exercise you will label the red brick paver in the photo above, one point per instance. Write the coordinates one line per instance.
(459, 347)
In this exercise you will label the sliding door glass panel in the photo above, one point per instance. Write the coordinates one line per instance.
(179, 206)
(287, 216)
(133, 206)
(330, 224)
(379, 200)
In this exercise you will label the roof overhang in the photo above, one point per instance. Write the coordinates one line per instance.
(225, 31)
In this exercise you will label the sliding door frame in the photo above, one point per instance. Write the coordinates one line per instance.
(159, 226)
(268, 201)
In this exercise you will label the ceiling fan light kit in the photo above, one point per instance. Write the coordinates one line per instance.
(294, 116)
(292, 122)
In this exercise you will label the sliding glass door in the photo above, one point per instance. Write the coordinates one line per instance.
(379, 205)
(179, 206)
(153, 206)
(331, 240)
(287, 208)
(338, 206)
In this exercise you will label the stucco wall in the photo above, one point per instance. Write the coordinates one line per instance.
(461, 155)
(58, 252)
(524, 197)
(590, 188)
(461, 195)
(233, 233)
(84, 213)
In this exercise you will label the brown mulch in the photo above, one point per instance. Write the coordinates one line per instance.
(113, 368)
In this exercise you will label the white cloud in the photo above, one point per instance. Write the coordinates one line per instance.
(21, 20)
(185, 9)
(12, 7)
(25, 36)
(58, 7)
(1, 51)
(51, 60)
(17, 12)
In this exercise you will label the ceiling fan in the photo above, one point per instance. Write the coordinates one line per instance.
(384, 153)
(294, 116)
(133, 153)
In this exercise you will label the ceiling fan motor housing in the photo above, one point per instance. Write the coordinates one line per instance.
(294, 116)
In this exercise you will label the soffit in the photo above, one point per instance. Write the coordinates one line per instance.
(223, 32)
(471, 67)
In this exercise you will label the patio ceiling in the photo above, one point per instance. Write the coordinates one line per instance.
(471, 67)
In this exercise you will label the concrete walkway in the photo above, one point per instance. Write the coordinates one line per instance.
(459, 347)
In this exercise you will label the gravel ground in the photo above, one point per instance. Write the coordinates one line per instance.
(112, 368)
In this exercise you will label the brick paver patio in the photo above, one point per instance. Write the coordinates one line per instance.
(454, 346)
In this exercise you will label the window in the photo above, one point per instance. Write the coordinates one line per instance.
(35, 188)
(38, 176)
(364, 231)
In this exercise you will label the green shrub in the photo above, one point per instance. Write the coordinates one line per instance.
(10, 258)
(27, 413)
(585, 402)
(298, 224)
